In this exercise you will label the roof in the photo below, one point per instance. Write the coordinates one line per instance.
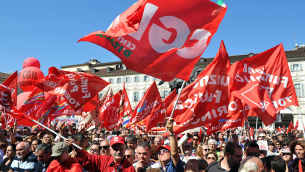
(4, 76)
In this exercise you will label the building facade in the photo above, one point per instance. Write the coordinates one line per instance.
(137, 83)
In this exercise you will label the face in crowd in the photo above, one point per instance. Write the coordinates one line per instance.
(95, 149)
(129, 155)
(131, 144)
(105, 147)
(118, 151)
(164, 155)
(143, 155)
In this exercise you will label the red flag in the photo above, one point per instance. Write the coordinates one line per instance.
(290, 127)
(150, 103)
(251, 132)
(284, 127)
(76, 87)
(296, 125)
(210, 100)
(15, 115)
(106, 97)
(170, 36)
(264, 83)
(279, 129)
(32, 102)
(11, 83)
(5, 98)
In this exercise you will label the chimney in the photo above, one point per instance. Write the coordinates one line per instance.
(296, 46)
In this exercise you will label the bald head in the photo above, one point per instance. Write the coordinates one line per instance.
(22, 150)
(251, 163)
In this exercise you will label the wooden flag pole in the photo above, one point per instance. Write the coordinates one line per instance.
(54, 132)
(177, 99)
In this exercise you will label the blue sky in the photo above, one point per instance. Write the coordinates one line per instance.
(49, 29)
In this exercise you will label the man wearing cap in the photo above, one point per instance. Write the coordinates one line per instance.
(63, 162)
(115, 163)
(169, 155)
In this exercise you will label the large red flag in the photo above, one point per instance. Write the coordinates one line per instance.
(76, 87)
(32, 102)
(212, 102)
(11, 83)
(150, 103)
(296, 125)
(47, 108)
(170, 36)
(264, 83)
(15, 115)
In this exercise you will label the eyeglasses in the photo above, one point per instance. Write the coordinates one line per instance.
(163, 150)
(238, 156)
(207, 149)
(195, 139)
(104, 147)
(127, 156)
(285, 145)
(213, 158)
(256, 154)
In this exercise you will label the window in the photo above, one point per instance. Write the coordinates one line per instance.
(136, 96)
(127, 79)
(164, 93)
(155, 79)
(299, 90)
(143, 93)
(136, 79)
(296, 67)
(119, 80)
(111, 80)
(146, 78)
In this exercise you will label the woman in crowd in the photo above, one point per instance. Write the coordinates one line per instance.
(298, 149)
(10, 154)
(211, 157)
(287, 157)
(48, 138)
(271, 149)
(199, 151)
(34, 145)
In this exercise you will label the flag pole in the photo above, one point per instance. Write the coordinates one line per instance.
(301, 121)
(5, 117)
(256, 124)
(247, 124)
(177, 99)
(54, 132)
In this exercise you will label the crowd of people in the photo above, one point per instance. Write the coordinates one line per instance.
(122, 150)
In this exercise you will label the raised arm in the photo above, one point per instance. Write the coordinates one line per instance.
(173, 141)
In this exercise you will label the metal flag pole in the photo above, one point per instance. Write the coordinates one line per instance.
(256, 124)
(5, 117)
(54, 133)
(177, 99)
(301, 122)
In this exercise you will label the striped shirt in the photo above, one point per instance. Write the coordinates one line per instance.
(28, 165)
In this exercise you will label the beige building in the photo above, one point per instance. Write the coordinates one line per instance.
(137, 83)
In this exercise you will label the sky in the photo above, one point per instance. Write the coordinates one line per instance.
(49, 29)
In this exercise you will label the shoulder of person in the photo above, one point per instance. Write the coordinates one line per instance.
(212, 165)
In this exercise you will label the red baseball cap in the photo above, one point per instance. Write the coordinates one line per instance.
(117, 139)
(163, 147)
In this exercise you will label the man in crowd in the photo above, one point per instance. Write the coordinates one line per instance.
(231, 160)
(43, 153)
(187, 151)
(105, 147)
(131, 141)
(104, 163)
(95, 149)
(143, 153)
(158, 140)
(251, 164)
(274, 164)
(130, 155)
(81, 141)
(24, 160)
(169, 155)
(251, 149)
(63, 162)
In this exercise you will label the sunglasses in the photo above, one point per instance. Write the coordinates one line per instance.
(128, 156)
(213, 158)
(195, 139)
(164, 151)
(207, 149)
(104, 147)
(253, 154)
(285, 145)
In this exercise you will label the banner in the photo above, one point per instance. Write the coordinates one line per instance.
(76, 87)
(170, 36)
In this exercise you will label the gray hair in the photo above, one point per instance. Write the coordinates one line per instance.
(26, 145)
(212, 141)
(45, 147)
(143, 145)
(131, 137)
(133, 152)
(248, 164)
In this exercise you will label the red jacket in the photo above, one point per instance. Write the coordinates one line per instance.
(101, 162)
(69, 165)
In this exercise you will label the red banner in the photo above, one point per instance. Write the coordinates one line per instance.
(5, 98)
(15, 115)
(76, 87)
(11, 83)
(170, 36)
(264, 83)
(32, 102)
